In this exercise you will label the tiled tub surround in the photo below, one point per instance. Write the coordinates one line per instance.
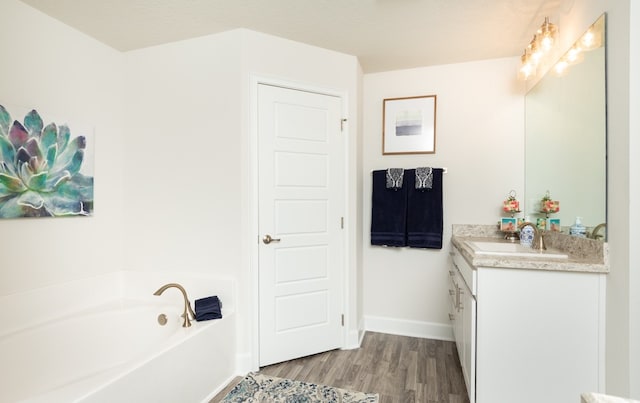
(520, 320)
(98, 340)
(585, 255)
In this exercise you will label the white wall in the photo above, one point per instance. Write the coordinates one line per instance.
(188, 151)
(618, 360)
(183, 155)
(634, 200)
(184, 158)
(65, 76)
(480, 140)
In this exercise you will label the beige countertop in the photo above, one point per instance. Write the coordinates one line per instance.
(584, 255)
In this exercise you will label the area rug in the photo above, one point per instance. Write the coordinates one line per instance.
(261, 388)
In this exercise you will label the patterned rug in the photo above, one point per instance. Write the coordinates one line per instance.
(261, 388)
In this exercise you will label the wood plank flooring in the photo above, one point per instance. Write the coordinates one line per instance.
(401, 369)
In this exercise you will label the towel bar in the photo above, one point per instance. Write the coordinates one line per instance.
(444, 170)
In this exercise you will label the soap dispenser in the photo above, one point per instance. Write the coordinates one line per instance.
(578, 229)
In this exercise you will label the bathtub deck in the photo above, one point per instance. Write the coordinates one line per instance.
(399, 368)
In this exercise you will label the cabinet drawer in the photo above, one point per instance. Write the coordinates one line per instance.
(466, 271)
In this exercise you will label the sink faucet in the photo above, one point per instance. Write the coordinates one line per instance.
(594, 233)
(188, 312)
(538, 241)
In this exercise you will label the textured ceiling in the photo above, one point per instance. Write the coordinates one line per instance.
(383, 34)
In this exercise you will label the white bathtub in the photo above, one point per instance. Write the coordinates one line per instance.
(117, 351)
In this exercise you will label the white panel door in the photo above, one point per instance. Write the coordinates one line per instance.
(301, 202)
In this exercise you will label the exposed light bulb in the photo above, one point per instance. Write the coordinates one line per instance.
(547, 34)
(592, 39)
(561, 67)
(527, 68)
(574, 55)
(546, 42)
(526, 72)
(535, 50)
(588, 39)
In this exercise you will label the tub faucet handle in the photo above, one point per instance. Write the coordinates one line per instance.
(188, 314)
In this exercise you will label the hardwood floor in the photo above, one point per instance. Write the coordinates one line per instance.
(401, 369)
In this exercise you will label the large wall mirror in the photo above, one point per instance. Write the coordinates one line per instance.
(565, 144)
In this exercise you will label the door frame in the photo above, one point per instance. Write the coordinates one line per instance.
(253, 203)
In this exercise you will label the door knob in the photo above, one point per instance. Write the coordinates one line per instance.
(267, 239)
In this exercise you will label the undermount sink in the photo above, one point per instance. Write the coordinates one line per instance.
(513, 250)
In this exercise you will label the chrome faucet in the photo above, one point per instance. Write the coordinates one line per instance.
(594, 233)
(538, 241)
(188, 312)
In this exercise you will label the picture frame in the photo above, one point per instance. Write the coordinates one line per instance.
(508, 224)
(409, 125)
(541, 223)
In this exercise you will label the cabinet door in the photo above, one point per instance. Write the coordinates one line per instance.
(464, 325)
(453, 302)
(468, 320)
(539, 335)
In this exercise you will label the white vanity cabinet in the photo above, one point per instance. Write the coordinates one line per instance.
(463, 316)
(529, 336)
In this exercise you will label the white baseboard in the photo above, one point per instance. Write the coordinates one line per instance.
(244, 364)
(412, 328)
(218, 390)
(352, 340)
(361, 330)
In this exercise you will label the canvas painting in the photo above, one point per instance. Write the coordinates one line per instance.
(46, 167)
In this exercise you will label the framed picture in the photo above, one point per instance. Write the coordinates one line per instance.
(541, 223)
(554, 224)
(409, 125)
(508, 224)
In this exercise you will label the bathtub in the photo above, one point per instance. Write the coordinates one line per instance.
(116, 350)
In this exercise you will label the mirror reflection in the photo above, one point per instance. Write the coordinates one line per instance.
(565, 139)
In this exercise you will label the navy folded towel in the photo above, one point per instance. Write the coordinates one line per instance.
(424, 212)
(208, 308)
(388, 212)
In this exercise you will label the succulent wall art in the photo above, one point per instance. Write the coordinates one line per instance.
(40, 169)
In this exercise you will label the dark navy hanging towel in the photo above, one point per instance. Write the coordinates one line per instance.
(388, 212)
(424, 211)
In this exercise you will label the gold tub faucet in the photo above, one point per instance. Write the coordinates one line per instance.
(188, 314)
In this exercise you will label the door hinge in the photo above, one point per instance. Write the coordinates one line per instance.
(341, 222)
(342, 122)
(342, 320)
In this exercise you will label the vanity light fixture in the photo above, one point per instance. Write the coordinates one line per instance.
(574, 55)
(535, 50)
(561, 68)
(590, 40)
(542, 42)
(547, 34)
(527, 66)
